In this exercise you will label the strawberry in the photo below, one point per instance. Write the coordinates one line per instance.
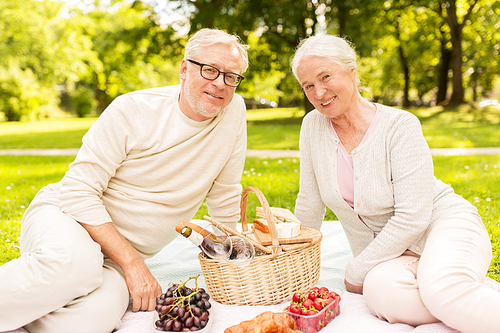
(298, 297)
(312, 312)
(302, 323)
(327, 301)
(333, 294)
(313, 294)
(323, 291)
(294, 308)
(317, 304)
(307, 303)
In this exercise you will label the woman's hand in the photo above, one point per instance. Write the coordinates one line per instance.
(352, 288)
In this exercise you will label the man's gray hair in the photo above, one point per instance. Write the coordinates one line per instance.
(207, 37)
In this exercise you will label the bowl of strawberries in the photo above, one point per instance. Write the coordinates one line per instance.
(315, 309)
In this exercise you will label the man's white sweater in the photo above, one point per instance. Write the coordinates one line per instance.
(395, 191)
(146, 167)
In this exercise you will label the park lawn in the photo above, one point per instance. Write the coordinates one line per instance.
(54, 133)
(476, 178)
(460, 127)
(278, 129)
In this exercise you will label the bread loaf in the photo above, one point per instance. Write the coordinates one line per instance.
(266, 322)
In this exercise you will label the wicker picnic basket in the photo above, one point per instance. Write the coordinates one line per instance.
(270, 278)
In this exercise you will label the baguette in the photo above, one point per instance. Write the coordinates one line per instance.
(261, 224)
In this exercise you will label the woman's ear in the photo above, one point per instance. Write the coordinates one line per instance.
(354, 71)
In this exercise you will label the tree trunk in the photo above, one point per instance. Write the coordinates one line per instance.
(404, 66)
(342, 16)
(443, 74)
(406, 73)
(457, 96)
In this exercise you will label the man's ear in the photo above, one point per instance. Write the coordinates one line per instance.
(183, 69)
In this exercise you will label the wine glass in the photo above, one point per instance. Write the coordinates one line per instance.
(216, 244)
(242, 252)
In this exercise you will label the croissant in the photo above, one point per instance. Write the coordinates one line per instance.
(266, 322)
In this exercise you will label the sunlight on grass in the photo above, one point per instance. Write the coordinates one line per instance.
(21, 177)
(265, 114)
(477, 179)
(46, 126)
(55, 133)
(460, 128)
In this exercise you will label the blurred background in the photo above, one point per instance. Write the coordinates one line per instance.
(76, 56)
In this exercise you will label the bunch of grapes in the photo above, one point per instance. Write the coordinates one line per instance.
(181, 308)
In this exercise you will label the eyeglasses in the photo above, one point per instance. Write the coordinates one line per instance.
(211, 73)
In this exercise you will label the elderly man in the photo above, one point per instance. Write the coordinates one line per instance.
(147, 163)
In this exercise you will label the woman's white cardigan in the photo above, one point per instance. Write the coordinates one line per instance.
(395, 191)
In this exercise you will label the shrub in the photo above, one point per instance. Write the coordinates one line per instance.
(84, 102)
(22, 96)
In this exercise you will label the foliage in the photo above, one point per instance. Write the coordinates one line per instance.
(132, 48)
(23, 96)
(39, 51)
(83, 101)
(49, 49)
(482, 49)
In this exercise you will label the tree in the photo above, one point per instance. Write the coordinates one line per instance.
(278, 24)
(134, 50)
(482, 49)
(40, 50)
(456, 28)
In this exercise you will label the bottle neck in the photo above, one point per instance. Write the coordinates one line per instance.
(192, 235)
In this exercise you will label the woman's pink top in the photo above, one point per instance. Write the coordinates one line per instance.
(345, 167)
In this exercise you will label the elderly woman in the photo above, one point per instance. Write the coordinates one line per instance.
(421, 252)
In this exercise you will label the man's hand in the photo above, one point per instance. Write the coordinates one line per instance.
(143, 287)
(352, 288)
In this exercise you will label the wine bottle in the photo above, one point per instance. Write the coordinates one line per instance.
(215, 244)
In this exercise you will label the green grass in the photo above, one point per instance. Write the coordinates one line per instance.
(57, 133)
(476, 178)
(460, 128)
(20, 179)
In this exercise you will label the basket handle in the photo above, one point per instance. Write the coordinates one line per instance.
(276, 248)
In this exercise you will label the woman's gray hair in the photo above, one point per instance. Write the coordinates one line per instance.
(208, 37)
(326, 46)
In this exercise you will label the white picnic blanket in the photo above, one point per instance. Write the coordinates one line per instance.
(179, 260)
